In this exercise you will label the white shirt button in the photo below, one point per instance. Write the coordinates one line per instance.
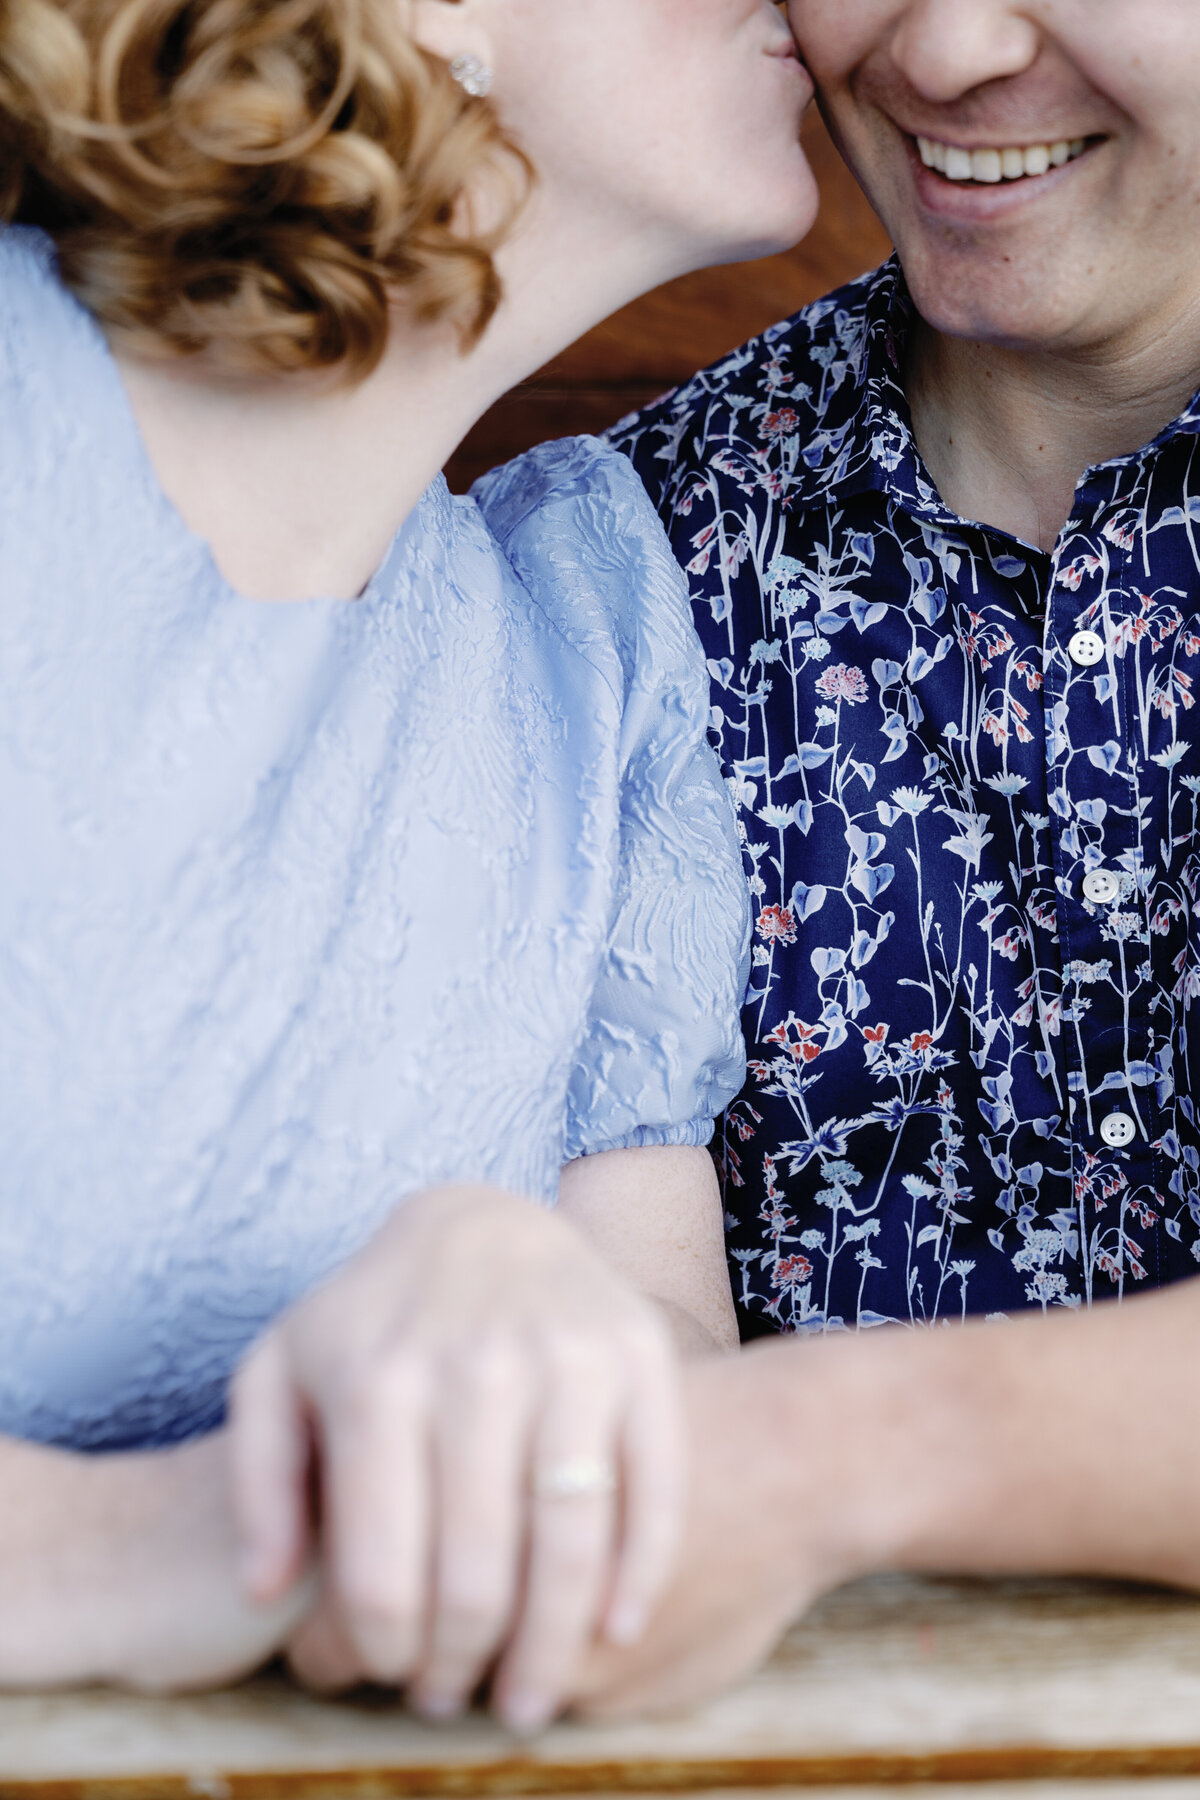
(1086, 649)
(1118, 1130)
(1101, 887)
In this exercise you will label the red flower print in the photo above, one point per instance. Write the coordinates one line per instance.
(791, 1272)
(842, 682)
(777, 925)
(781, 424)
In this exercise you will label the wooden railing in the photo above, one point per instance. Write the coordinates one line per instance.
(1094, 1689)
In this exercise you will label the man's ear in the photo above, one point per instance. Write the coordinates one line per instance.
(450, 28)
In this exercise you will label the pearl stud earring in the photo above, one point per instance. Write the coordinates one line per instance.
(473, 77)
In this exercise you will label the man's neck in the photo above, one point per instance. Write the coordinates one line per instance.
(1007, 434)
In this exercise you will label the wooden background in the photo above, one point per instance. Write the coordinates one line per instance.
(659, 341)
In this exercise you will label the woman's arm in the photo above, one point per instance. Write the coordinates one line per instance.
(1067, 1445)
(655, 1216)
(121, 1569)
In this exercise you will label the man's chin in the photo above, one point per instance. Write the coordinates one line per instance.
(1012, 302)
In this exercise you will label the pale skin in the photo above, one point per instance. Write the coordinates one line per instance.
(475, 1317)
(479, 1335)
(1059, 325)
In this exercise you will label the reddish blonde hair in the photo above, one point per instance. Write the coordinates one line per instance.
(251, 180)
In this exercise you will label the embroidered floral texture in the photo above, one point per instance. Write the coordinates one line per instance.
(942, 1016)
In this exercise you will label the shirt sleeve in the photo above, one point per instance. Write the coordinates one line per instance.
(662, 1053)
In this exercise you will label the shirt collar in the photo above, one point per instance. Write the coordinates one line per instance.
(864, 441)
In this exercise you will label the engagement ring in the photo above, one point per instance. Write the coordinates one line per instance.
(577, 1478)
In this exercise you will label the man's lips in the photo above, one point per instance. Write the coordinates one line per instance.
(973, 192)
(989, 164)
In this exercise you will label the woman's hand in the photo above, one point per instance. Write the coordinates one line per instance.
(494, 1422)
(121, 1569)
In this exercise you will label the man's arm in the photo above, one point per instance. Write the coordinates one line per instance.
(655, 1216)
(121, 1569)
(1061, 1445)
(1064, 1445)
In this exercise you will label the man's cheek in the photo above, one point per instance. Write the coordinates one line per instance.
(835, 34)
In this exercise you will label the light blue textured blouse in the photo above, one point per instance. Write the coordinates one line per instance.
(306, 906)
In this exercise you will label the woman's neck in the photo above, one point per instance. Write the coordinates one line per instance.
(299, 485)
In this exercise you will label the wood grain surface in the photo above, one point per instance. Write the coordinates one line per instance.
(661, 340)
(890, 1681)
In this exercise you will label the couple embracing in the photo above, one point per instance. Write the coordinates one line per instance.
(392, 877)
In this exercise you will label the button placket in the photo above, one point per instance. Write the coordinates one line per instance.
(1098, 827)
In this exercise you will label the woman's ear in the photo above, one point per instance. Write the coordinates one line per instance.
(452, 28)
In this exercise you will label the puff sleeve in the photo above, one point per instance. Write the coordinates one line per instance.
(662, 1052)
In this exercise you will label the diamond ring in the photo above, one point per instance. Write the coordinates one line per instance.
(576, 1478)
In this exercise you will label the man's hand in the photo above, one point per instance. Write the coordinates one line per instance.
(766, 1533)
(1061, 1446)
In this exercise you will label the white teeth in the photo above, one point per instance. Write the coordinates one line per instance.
(992, 166)
(987, 165)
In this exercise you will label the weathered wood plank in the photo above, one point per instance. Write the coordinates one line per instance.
(888, 1681)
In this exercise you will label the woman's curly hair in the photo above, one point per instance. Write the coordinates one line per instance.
(254, 180)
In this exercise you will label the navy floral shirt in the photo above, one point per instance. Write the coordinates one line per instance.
(967, 779)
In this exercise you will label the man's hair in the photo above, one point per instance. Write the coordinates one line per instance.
(254, 180)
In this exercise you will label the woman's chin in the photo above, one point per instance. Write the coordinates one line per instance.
(770, 229)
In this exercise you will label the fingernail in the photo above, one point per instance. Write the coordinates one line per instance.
(526, 1714)
(257, 1570)
(438, 1707)
(626, 1624)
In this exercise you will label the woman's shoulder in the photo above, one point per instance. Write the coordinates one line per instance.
(35, 308)
(561, 469)
(580, 532)
(54, 379)
(28, 265)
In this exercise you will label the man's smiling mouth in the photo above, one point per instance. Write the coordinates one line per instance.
(989, 166)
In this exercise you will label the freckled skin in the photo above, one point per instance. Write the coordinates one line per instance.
(722, 158)
(1108, 258)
